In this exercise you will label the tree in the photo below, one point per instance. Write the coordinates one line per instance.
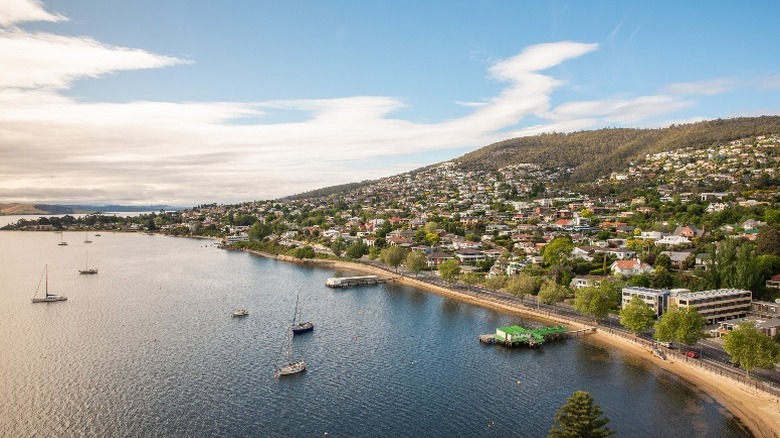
(416, 261)
(393, 256)
(552, 293)
(305, 252)
(685, 326)
(768, 241)
(750, 348)
(580, 417)
(338, 246)
(496, 282)
(521, 285)
(558, 250)
(259, 231)
(356, 249)
(449, 270)
(596, 300)
(637, 316)
(663, 261)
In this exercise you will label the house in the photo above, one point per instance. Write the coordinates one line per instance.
(436, 258)
(765, 309)
(678, 258)
(673, 240)
(622, 253)
(470, 256)
(581, 281)
(689, 231)
(773, 282)
(629, 268)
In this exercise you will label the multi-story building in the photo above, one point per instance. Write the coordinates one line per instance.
(657, 299)
(715, 305)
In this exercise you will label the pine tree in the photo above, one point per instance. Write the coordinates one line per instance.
(580, 417)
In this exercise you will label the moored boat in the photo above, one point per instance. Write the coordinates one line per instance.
(299, 327)
(47, 298)
(239, 312)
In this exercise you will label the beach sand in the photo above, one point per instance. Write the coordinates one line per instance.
(757, 410)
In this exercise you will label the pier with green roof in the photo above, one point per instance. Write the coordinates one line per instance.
(516, 336)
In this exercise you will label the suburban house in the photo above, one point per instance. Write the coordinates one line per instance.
(629, 268)
(581, 281)
(673, 240)
(470, 256)
(436, 258)
(773, 282)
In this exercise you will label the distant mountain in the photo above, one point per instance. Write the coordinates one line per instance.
(50, 209)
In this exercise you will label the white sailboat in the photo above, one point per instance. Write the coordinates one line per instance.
(87, 269)
(47, 298)
(290, 367)
(86, 236)
(62, 242)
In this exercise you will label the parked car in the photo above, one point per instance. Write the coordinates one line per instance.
(668, 345)
(692, 354)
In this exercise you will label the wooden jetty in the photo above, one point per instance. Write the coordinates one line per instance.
(337, 282)
(516, 336)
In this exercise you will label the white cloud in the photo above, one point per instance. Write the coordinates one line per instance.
(19, 11)
(185, 153)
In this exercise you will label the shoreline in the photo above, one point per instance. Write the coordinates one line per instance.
(756, 410)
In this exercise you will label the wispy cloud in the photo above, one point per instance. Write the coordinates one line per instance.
(183, 153)
(704, 88)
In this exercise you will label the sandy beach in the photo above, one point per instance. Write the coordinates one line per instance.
(757, 410)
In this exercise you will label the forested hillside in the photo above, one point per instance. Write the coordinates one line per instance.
(593, 154)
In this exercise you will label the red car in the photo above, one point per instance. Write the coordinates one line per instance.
(692, 354)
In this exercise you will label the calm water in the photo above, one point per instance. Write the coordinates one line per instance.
(147, 348)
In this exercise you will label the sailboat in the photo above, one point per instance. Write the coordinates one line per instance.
(87, 269)
(299, 327)
(62, 242)
(86, 236)
(48, 298)
(290, 367)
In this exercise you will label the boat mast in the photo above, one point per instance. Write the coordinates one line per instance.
(46, 269)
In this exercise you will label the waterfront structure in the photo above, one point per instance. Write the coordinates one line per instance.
(657, 299)
(715, 305)
(336, 282)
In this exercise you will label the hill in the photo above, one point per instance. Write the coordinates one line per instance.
(594, 154)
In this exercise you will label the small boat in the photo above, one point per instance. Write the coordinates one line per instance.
(97, 234)
(87, 237)
(239, 312)
(62, 242)
(299, 327)
(47, 298)
(291, 367)
(87, 269)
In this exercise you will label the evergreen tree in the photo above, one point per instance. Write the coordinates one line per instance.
(580, 417)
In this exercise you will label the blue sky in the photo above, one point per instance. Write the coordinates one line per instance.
(188, 102)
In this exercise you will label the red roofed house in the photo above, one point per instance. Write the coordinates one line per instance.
(629, 268)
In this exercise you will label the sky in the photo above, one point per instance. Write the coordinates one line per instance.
(187, 102)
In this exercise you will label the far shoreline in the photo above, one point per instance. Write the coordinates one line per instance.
(756, 410)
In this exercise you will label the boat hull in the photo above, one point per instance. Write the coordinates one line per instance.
(49, 299)
(88, 271)
(291, 368)
(302, 328)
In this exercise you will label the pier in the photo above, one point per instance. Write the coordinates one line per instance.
(516, 336)
(337, 282)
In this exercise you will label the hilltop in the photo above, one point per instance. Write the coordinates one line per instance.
(585, 158)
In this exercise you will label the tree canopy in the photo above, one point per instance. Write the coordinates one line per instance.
(449, 270)
(597, 300)
(580, 417)
(685, 326)
(750, 348)
(637, 316)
